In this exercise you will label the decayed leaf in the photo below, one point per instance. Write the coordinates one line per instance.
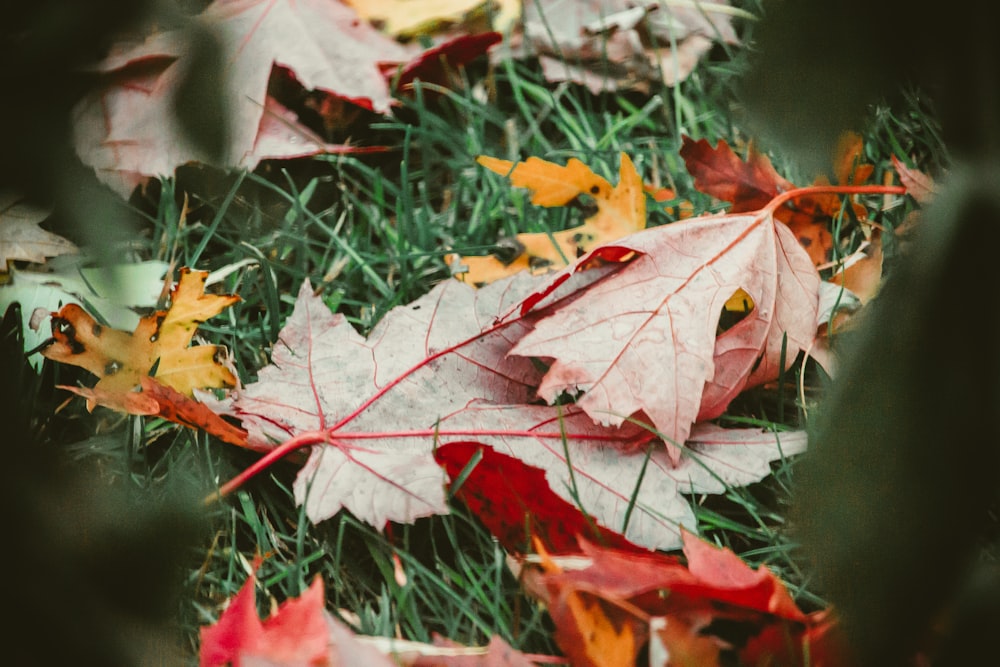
(621, 210)
(21, 237)
(156, 352)
(437, 65)
(615, 44)
(127, 131)
(644, 339)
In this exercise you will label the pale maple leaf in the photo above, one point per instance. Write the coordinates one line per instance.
(126, 129)
(440, 370)
(21, 237)
(644, 339)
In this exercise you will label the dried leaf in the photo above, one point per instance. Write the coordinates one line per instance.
(158, 347)
(610, 45)
(21, 237)
(621, 210)
(919, 185)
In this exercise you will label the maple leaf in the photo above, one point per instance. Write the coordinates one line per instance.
(151, 370)
(125, 127)
(644, 339)
(21, 237)
(515, 502)
(749, 185)
(628, 599)
(621, 210)
(295, 635)
(439, 370)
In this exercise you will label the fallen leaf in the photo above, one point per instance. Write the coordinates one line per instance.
(437, 371)
(159, 347)
(21, 237)
(437, 65)
(621, 210)
(406, 19)
(125, 127)
(516, 504)
(610, 45)
(714, 607)
(296, 634)
(644, 339)
(749, 184)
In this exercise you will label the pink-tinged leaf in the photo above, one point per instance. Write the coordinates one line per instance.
(295, 635)
(125, 127)
(437, 371)
(644, 339)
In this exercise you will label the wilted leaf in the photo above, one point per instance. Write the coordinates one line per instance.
(621, 210)
(21, 237)
(158, 348)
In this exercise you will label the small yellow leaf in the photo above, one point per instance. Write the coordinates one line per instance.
(158, 347)
(621, 210)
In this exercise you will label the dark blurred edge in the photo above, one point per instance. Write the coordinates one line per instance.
(92, 568)
(893, 498)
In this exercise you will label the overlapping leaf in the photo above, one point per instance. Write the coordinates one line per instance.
(621, 210)
(127, 130)
(441, 370)
(644, 339)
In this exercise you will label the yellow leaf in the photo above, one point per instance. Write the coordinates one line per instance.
(410, 18)
(605, 643)
(621, 210)
(159, 347)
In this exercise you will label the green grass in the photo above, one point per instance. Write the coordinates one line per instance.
(370, 232)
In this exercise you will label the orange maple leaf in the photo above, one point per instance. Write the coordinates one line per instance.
(152, 370)
(621, 210)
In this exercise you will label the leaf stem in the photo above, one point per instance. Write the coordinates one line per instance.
(787, 196)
